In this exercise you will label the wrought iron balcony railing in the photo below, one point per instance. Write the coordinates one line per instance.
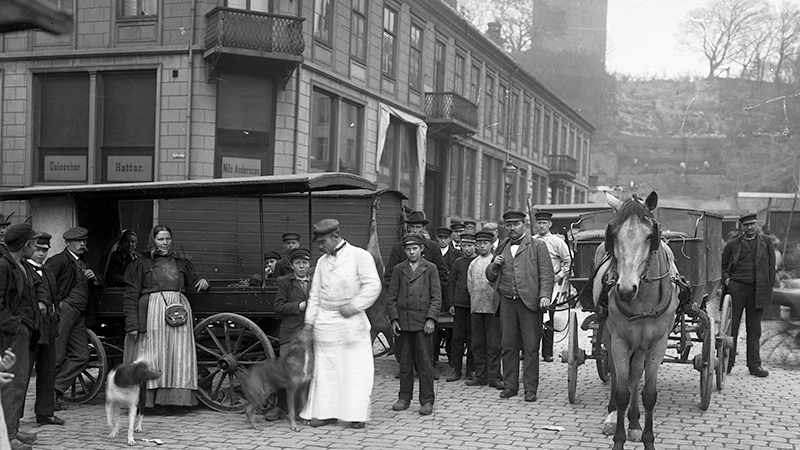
(450, 108)
(563, 166)
(253, 30)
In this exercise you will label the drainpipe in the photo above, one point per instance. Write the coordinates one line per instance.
(296, 118)
(189, 95)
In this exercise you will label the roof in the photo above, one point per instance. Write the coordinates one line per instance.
(216, 187)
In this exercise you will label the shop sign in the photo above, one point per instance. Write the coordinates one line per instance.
(240, 167)
(129, 168)
(64, 168)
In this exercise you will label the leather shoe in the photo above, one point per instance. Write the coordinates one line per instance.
(60, 405)
(426, 409)
(25, 438)
(759, 372)
(401, 405)
(530, 396)
(507, 393)
(275, 414)
(357, 425)
(497, 384)
(436, 377)
(322, 423)
(547, 358)
(17, 445)
(454, 377)
(49, 420)
(475, 383)
(470, 375)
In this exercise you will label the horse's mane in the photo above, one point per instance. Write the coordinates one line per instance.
(632, 207)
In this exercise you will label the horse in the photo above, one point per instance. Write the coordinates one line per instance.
(637, 270)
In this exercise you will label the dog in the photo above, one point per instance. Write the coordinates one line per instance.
(291, 372)
(124, 389)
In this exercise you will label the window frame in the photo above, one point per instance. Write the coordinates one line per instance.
(475, 83)
(415, 54)
(334, 122)
(527, 120)
(361, 15)
(139, 5)
(391, 61)
(488, 108)
(459, 82)
(502, 101)
(513, 116)
(329, 18)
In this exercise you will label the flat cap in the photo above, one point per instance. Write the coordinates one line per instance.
(325, 227)
(290, 236)
(417, 217)
(272, 255)
(467, 238)
(299, 253)
(469, 223)
(457, 226)
(482, 236)
(20, 233)
(489, 226)
(513, 215)
(543, 215)
(748, 218)
(411, 239)
(76, 234)
(5, 220)
(43, 241)
(444, 231)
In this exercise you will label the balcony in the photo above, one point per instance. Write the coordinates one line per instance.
(253, 42)
(448, 113)
(563, 167)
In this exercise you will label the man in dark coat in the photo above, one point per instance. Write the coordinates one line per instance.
(4, 224)
(291, 241)
(22, 302)
(457, 303)
(524, 278)
(45, 355)
(74, 282)
(748, 271)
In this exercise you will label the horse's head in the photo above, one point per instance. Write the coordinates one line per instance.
(630, 239)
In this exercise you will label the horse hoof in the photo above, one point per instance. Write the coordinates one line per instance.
(634, 435)
(609, 428)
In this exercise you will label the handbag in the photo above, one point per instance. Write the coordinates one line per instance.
(175, 315)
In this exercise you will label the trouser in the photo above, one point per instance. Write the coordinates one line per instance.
(44, 359)
(415, 349)
(520, 326)
(72, 347)
(743, 300)
(461, 338)
(486, 335)
(13, 394)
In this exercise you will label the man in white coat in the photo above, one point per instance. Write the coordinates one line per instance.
(345, 284)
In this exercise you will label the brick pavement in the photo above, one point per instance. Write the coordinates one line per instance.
(751, 413)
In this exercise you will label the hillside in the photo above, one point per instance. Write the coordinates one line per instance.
(706, 139)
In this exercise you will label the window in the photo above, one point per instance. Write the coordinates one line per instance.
(251, 5)
(138, 8)
(488, 108)
(389, 41)
(475, 83)
(462, 181)
(537, 130)
(323, 15)
(548, 124)
(564, 139)
(571, 143)
(526, 125)
(514, 116)
(398, 164)
(459, 74)
(502, 97)
(554, 138)
(415, 62)
(358, 30)
(335, 144)
(439, 66)
(493, 186)
(522, 190)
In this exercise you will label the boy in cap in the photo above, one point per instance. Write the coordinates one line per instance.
(413, 304)
(22, 302)
(290, 304)
(457, 302)
(291, 241)
(469, 226)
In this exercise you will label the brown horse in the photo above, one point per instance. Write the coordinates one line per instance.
(640, 312)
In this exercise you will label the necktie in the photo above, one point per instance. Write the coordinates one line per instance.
(336, 250)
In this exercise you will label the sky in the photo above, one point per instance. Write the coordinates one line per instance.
(643, 39)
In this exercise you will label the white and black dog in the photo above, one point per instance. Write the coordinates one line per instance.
(124, 389)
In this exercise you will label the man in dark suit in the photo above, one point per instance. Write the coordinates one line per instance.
(74, 282)
(524, 278)
(748, 271)
(458, 229)
(45, 354)
(449, 254)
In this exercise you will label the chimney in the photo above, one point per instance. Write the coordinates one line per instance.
(493, 32)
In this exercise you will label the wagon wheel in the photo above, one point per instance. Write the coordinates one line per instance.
(724, 341)
(707, 364)
(574, 357)
(227, 345)
(602, 358)
(90, 381)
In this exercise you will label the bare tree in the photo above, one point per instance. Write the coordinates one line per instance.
(756, 45)
(715, 30)
(787, 37)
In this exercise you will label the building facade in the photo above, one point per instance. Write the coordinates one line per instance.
(405, 93)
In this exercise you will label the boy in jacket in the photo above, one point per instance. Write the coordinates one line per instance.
(414, 302)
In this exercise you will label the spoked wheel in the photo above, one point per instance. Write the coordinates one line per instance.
(381, 345)
(574, 357)
(227, 346)
(724, 341)
(90, 381)
(602, 358)
(707, 364)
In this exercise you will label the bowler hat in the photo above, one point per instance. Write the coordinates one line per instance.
(412, 239)
(444, 231)
(299, 253)
(291, 236)
(325, 227)
(513, 215)
(748, 218)
(5, 220)
(417, 217)
(76, 234)
(43, 241)
(272, 255)
(483, 236)
(467, 238)
(543, 215)
(20, 233)
(457, 226)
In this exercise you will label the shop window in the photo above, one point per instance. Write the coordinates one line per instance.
(335, 134)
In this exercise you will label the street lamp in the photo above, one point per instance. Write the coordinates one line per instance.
(509, 172)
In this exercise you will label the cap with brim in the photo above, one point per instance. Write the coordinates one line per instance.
(20, 233)
(748, 219)
(412, 239)
(513, 215)
(543, 215)
(482, 236)
(43, 241)
(467, 238)
(76, 234)
(417, 217)
(468, 223)
(299, 253)
(444, 231)
(489, 226)
(290, 236)
(325, 227)
(458, 226)
(272, 255)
